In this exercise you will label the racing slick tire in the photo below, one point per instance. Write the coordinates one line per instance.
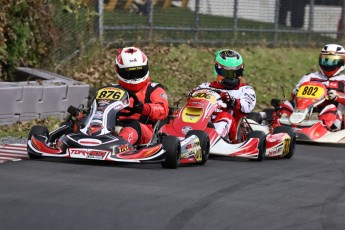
(255, 116)
(292, 134)
(172, 146)
(269, 114)
(38, 130)
(262, 143)
(204, 144)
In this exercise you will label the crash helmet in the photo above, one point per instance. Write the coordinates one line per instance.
(331, 59)
(132, 69)
(228, 67)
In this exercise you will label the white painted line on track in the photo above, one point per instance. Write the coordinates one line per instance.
(13, 152)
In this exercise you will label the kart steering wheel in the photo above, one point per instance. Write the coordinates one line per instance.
(130, 109)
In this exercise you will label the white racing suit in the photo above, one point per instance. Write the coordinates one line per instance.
(332, 110)
(226, 120)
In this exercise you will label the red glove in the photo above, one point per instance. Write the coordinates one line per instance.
(229, 100)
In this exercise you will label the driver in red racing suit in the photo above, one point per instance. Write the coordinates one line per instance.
(239, 99)
(132, 70)
(331, 64)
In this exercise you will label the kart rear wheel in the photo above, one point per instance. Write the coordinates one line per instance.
(262, 143)
(204, 144)
(172, 146)
(255, 116)
(37, 130)
(291, 132)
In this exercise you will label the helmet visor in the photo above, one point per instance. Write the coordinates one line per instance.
(226, 72)
(331, 62)
(133, 73)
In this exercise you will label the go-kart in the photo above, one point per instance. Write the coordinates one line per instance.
(97, 138)
(304, 118)
(252, 144)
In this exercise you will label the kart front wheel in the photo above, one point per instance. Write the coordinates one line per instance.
(37, 130)
(172, 146)
(262, 143)
(291, 132)
(204, 144)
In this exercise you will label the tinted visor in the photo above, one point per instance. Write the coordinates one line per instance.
(329, 63)
(227, 73)
(133, 73)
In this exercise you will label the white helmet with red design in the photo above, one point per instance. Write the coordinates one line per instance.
(131, 67)
(331, 59)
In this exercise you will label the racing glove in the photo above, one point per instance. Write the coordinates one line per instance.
(139, 107)
(229, 100)
(332, 94)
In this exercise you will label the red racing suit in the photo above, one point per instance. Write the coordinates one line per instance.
(331, 110)
(139, 127)
(226, 120)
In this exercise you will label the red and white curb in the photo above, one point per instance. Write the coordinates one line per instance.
(13, 152)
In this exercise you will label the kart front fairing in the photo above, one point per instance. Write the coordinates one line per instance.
(304, 120)
(104, 110)
(309, 96)
(196, 115)
(96, 139)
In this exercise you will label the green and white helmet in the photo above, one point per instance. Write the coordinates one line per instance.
(228, 66)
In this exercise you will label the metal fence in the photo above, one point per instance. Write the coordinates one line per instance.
(197, 22)
(297, 22)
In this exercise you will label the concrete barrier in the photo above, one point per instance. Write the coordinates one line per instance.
(39, 94)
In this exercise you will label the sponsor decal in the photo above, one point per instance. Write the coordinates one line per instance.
(151, 151)
(122, 148)
(185, 129)
(89, 142)
(96, 154)
(196, 103)
(78, 153)
(164, 96)
(88, 153)
(275, 152)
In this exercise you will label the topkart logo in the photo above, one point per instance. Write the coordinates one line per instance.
(88, 154)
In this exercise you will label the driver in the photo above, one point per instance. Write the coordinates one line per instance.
(331, 64)
(132, 70)
(239, 99)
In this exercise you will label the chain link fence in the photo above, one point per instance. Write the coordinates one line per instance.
(197, 22)
(274, 22)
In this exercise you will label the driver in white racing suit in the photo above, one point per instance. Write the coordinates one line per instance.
(239, 99)
(331, 64)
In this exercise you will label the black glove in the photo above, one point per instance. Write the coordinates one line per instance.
(139, 107)
(229, 100)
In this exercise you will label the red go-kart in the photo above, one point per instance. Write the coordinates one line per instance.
(256, 140)
(304, 118)
(97, 137)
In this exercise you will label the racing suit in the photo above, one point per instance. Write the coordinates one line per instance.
(227, 119)
(138, 128)
(331, 110)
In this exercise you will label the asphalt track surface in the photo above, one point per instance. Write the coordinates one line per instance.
(305, 192)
